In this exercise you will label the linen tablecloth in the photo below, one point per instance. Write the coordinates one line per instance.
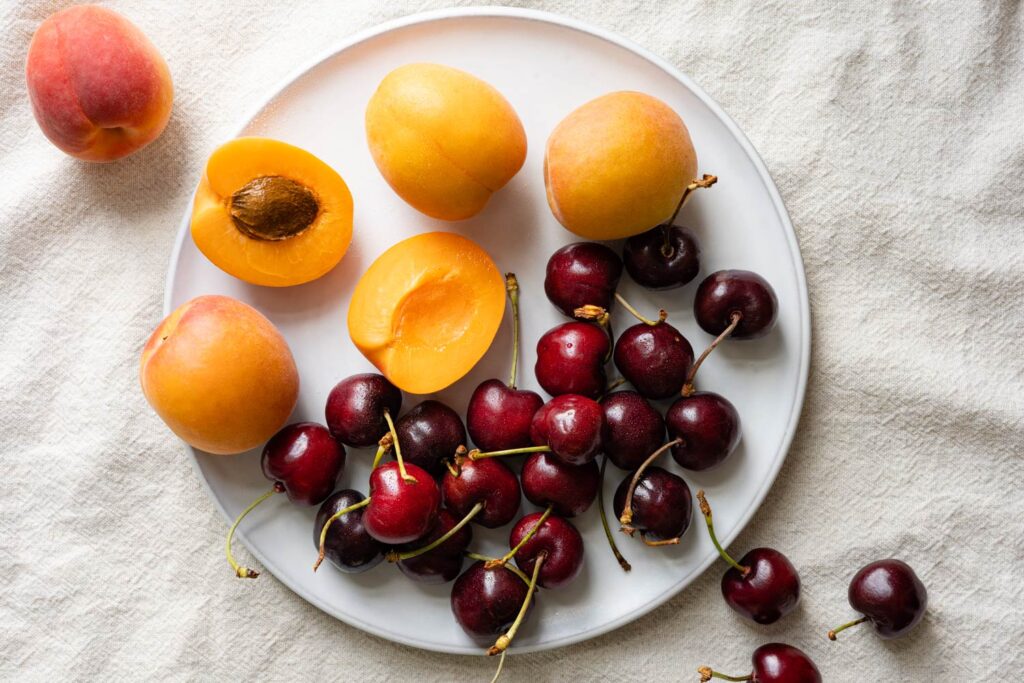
(895, 132)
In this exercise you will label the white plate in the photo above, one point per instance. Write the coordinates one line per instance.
(546, 66)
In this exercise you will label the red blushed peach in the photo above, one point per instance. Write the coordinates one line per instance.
(99, 88)
(220, 375)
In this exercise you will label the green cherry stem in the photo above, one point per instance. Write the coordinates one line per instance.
(327, 525)
(505, 639)
(838, 629)
(383, 446)
(408, 478)
(662, 314)
(504, 560)
(626, 518)
(706, 674)
(395, 556)
(705, 510)
(688, 385)
(626, 566)
(501, 665)
(512, 287)
(512, 568)
(240, 571)
(475, 454)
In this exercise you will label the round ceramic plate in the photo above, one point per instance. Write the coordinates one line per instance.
(546, 66)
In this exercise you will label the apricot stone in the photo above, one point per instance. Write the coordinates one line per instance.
(99, 88)
(427, 310)
(443, 139)
(220, 375)
(271, 213)
(618, 166)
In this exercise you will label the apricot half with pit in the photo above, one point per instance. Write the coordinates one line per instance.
(443, 139)
(271, 213)
(618, 166)
(427, 309)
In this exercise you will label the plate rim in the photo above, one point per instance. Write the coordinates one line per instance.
(606, 35)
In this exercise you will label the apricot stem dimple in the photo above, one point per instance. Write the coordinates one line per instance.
(273, 208)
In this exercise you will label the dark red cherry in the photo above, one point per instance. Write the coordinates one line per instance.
(571, 358)
(347, 545)
(664, 257)
(709, 427)
(485, 602)
(488, 481)
(443, 563)
(634, 429)
(305, 460)
(355, 409)
(767, 591)
(654, 358)
(775, 663)
(568, 489)
(429, 434)
(401, 511)
(557, 538)
(661, 505)
(580, 274)
(726, 292)
(890, 596)
(498, 417)
(572, 426)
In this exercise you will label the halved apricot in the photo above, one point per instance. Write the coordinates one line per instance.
(271, 213)
(427, 310)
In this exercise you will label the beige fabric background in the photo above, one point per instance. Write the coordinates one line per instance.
(895, 131)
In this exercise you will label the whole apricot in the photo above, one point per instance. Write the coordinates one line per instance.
(443, 139)
(99, 88)
(618, 165)
(219, 374)
(426, 310)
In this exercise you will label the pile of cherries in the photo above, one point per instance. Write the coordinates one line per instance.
(422, 503)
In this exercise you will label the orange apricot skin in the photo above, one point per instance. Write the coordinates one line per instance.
(220, 375)
(443, 139)
(425, 312)
(99, 88)
(618, 165)
(296, 260)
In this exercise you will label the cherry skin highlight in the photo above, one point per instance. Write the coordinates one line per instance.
(306, 460)
(634, 429)
(571, 360)
(485, 601)
(429, 434)
(709, 427)
(572, 426)
(498, 417)
(730, 291)
(355, 409)
(581, 274)
(401, 511)
(655, 359)
(889, 595)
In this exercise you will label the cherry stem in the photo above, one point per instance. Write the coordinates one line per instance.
(658, 544)
(662, 314)
(505, 639)
(838, 629)
(327, 525)
(688, 385)
(612, 386)
(706, 674)
(512, 287)
(382, 448)
(706, 181)
(627, 509)
(408, 478)
(705, 510)
(475, 454)
(603, 319)
(626, 566)
(512, 568)
(240, 571)
(666, 246)
(395, 556)
(501, 663)
(504, 560)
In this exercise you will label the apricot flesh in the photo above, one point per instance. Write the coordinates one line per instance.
(443, 139)
(219, 374)
(271, 213)
(427, 310)
(618, 166)
(99, 88)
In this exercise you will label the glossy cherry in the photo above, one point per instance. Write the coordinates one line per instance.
(572, 426)
(554, 536)
(661, 506)
(773, 663)
(581, 274)
(355, 409)
(708, 428)
(571, 359)
(486, 601)
(442, 563)
(634, 428)
(498, 416)
(727, 292)
(654, 357)
(889, 595)
(664, 257)
(429, 434)
(401, 511)
(549, 481)
(488, 481)
(763, 586)
(347, 545)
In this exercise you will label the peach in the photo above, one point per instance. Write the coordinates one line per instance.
(219, 374)
(443, 139)
(618, 165)
(99, 88)
(426, 310)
